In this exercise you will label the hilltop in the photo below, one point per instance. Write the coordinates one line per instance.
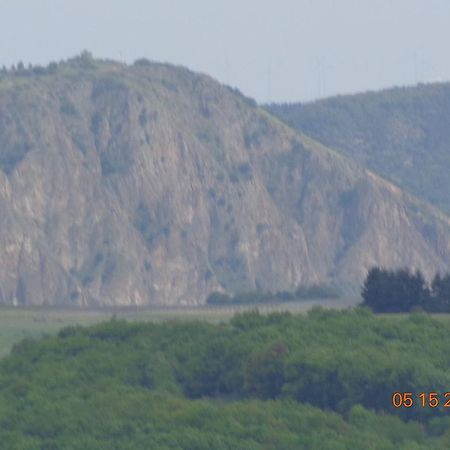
(149, 183)
(403, 134)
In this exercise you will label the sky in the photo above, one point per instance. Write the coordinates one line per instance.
(273, 51)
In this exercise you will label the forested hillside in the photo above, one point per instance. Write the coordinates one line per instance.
(402, 134)
(321, 381)
(151, 184)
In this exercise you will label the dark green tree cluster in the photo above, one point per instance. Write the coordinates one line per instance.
(318, 381)
(440, 294)
(392, 291)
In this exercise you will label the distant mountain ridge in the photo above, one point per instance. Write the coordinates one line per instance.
(145, 184)
(403, 134)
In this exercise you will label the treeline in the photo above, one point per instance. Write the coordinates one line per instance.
(316, 291)
(317, 381)
(401, 290)
(83, 60)
(29, 70)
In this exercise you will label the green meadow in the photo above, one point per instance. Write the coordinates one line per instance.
(20, 323)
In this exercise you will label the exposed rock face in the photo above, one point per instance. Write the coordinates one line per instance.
(151, 184)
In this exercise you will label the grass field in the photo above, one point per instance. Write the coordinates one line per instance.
(19, 323)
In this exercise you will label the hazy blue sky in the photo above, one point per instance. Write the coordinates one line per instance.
(284, 50)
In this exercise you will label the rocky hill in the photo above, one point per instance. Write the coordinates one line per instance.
(152, 184)
(403, 134)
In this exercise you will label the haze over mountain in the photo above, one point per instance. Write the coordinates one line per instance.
(403, 134)
(152, 184)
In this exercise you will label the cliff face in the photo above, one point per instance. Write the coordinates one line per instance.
(152, 184)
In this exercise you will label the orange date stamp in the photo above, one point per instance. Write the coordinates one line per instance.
(424, 399)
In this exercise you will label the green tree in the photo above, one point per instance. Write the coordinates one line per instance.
(440, 294)
(395, 291)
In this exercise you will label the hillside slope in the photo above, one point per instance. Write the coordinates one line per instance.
(403, 134)
(152, 184)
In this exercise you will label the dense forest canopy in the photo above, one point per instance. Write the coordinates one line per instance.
(320, 381)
